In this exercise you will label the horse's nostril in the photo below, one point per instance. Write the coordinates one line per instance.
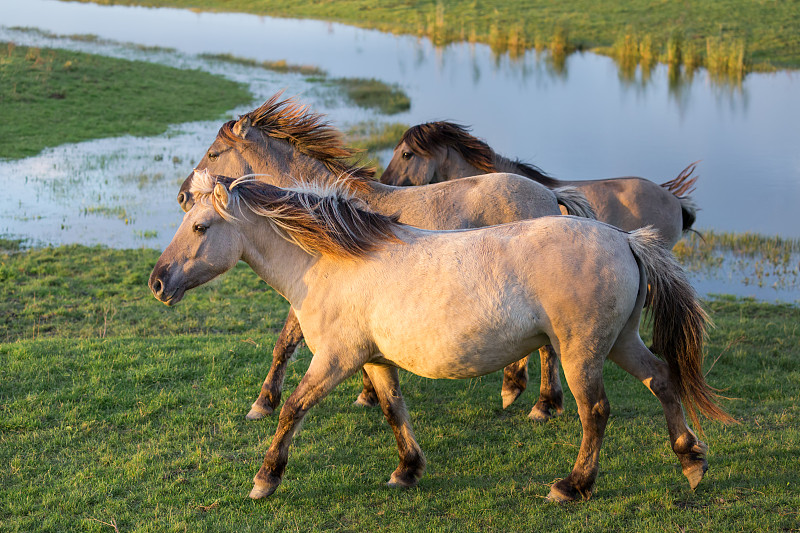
(181, 198)
(157, 287)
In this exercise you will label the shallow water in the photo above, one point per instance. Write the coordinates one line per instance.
(584, 120)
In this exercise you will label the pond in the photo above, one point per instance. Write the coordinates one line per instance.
(580, 120)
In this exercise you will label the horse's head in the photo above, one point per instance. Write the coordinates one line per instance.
(410, 166)
(230, 154)
(207, 244)
(437, 151)
(282, 139)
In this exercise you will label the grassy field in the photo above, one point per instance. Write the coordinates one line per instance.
(767, 33)
(118, 411)
(51, 97)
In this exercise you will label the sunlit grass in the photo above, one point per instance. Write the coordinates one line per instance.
(118, 410)
(770, 31)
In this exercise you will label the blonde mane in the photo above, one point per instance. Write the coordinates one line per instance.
(309, 133)
(320, 219)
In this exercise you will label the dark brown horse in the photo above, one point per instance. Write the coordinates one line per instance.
(444, 151)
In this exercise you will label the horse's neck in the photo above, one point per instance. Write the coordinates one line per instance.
(284, 167)
(287, 167)
(283, 265)
(454, 166)
(504, 164)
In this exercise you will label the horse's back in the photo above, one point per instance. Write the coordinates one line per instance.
(470, 302)
(633, 203)
(501, 197)
(473, 202)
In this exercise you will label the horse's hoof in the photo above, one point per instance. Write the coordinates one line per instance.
(399, 482)
(557, 496)
(695, 475)
(510, 396)
(541, 412)
(258, 412)
(563, 492)
(262, 491)
(694, 464)
(365, 401)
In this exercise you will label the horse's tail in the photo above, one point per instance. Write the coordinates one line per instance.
(679, 324)
(575, 202)
(682, 186)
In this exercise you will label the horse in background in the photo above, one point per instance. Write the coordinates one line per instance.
(443, 151)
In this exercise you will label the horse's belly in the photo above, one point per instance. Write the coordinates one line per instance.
(453, 357)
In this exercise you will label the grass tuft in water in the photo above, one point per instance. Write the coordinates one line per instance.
(757, 259)
(277, 66)
(386, 98)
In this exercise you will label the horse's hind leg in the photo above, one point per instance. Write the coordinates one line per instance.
(551, 397)
(270, 395)
(515, 380)
(632, 355)
(324, 373)
(368, 397)
(584, 373)
(412, 461)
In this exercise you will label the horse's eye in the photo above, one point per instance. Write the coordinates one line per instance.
(407, 155)
(213, 156)
(199, 228)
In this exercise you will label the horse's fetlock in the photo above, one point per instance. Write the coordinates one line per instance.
(601, 409)
(686, 443)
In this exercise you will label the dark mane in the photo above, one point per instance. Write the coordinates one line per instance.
(308, 132)
(319, 219)
(425, 138)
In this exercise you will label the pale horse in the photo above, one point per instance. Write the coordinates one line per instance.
(361, 288)
(282, 141)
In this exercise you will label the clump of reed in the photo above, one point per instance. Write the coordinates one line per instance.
(436, 27)
(725, 59)
(759, 259)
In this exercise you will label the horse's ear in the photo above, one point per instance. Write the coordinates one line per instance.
(221, 195)
(242, 126)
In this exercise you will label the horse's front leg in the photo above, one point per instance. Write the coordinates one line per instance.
(270, 395)
(324, 373)
(551, 397)
(412, 461)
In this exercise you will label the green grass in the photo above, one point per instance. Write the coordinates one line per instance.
(115, 409)
(371, 137)
(368, 93)
(770, 31)
(50, 97)
(385, 98)
(277, 66)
